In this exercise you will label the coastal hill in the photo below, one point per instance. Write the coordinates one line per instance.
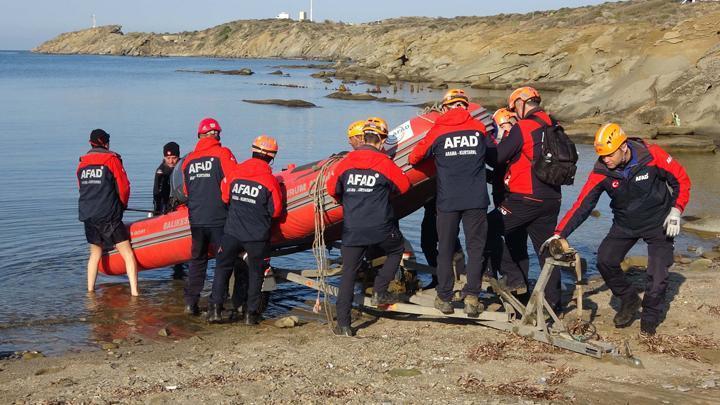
(637, 62)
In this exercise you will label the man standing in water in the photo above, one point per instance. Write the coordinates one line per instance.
(363, 182)
(648, 192)
(161, 190)
(458, 143)
(203, 171)
(104, 195)
(254, 199)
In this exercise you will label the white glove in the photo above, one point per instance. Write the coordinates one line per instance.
(672, 223)
(545, 244)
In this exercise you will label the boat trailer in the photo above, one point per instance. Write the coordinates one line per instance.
(537, 320)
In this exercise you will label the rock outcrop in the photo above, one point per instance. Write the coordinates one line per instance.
(637, 61)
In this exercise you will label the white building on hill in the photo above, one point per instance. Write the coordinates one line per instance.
(284, 15)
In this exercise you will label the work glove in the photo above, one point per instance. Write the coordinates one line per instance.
(546, 244)
(672, 223)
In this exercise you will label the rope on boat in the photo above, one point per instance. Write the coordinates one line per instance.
(317, 193)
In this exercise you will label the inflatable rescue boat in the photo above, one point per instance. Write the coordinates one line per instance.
(164, 240)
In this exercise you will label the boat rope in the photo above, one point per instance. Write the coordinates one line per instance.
(317, 193)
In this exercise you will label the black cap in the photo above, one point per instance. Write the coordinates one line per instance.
(99, 137)
(171, 149)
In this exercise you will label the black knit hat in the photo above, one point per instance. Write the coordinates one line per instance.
(171, 149)
(99, 137)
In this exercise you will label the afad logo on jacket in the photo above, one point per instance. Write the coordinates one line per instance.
(362, 183)
(200, 169)
(92, 175)
(460, 142)
(246, 193)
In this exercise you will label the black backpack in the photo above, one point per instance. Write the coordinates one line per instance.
(558, 163)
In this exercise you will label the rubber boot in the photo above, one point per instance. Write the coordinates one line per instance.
(214, 314)
(628, 310)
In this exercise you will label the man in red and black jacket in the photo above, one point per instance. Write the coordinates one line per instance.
(363, 182)
(104, 195)
(203, 170)
(648, 190)
(254, 199)
(530, 206)
(460, 146)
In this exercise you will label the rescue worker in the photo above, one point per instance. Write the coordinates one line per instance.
(161, 187)
(363, 183)
(162, 203)
(104, 194)
(530, 206)
(254, 199)
(203, 170)
(458, 143)
(495, 248)
(648, 192)
(355, 134)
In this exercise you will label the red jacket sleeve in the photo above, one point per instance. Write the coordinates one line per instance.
(510, 146)
(675, 176)
(276, 195)
(225, 188)
(396, 176)
(332, 181)
(121, 180)
(583, 206)
(227, 161)
(421, 151)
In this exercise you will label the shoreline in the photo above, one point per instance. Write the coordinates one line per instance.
(396, 358)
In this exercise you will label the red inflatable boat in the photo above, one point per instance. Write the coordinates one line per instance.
(164, 240)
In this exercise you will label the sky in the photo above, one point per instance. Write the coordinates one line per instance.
(25, 24)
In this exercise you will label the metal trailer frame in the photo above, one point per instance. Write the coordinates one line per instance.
(537, 320)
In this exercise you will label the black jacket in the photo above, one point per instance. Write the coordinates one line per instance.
(363, 182)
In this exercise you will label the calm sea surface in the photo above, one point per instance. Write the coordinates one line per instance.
(49, 104)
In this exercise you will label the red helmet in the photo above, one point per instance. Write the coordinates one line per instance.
(207, 125)
(265, 145)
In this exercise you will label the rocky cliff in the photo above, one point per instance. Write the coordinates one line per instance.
(635, 61)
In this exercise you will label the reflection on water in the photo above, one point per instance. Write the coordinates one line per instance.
(144, 103)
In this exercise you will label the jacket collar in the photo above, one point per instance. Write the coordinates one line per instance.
(453, 117)
(642, 154)
(257, 166)
(206, 143)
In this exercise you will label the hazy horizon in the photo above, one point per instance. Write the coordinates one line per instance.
(24, 25)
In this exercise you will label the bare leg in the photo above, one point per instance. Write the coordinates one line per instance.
(92, 266)
(130, 265)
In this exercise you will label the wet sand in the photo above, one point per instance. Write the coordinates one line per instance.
(395, 359)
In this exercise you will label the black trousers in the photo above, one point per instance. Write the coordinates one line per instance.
(448, 225)
(429, 236)
(515, 219)
(230, 248)
(205, 240)
(392, 247)
(612, 251)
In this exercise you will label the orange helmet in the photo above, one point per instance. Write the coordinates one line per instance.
(376, 126)
(609, 138)
(455, 95)
(504, 116)
(355, 129)
(265, 145)
(523, 93)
